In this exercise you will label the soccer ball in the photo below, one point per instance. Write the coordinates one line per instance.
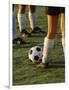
(35, 54)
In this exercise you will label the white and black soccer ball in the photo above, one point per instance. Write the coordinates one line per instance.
(35, 54)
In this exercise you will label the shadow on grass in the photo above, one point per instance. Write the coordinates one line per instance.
(38, 35)
(27, 45)
(55, 65)
(17, 60)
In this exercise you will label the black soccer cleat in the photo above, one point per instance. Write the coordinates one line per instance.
(19, 41)
(25, 33)
(37, 30)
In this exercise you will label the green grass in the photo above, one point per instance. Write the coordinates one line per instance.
(25, 72)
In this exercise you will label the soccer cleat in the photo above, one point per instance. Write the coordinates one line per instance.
(18, 40)
(37, 30)
(25, 33)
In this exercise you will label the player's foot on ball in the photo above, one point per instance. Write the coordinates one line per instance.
(25, 33)
(37, 30)
(42, 65)
(18, 40)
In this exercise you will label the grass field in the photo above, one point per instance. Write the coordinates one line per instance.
(25, 72)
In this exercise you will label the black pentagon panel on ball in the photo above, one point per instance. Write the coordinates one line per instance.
(36, 57)
(38, 49)
(31, 51)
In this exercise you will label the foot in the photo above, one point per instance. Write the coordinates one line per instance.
(18, 40)
(24, 33)
(42, 65)
(37, 30)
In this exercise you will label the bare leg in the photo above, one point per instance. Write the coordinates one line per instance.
(34, 20)
(32, 16)
(21, 17)
(14, 23)
(22, 21)
(63, 29)
(49, 39)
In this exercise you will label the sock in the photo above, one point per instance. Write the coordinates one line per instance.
(21, 21)
(14, 25)
(48, 44)
(33, 20)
